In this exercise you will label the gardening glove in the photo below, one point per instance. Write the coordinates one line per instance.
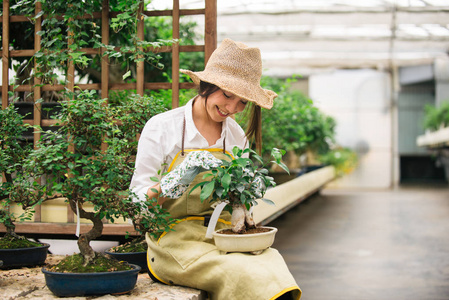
(176, 182)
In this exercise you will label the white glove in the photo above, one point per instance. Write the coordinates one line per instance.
(176, 182)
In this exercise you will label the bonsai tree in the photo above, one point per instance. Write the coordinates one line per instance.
(90, 158)
(240, 182)
(17, 188)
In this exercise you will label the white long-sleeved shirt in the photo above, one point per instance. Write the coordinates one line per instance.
(161, 140)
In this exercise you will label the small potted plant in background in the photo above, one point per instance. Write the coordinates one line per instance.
(88, 161)
(147, 217)
(133, 111)
(17, 189)
(240, 182)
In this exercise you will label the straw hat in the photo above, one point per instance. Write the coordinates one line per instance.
(236, 68)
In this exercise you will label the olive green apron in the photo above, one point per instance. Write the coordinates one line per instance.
(186, 257)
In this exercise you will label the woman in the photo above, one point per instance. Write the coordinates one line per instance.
(229, 83)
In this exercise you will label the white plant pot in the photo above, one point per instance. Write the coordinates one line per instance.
(244, 242)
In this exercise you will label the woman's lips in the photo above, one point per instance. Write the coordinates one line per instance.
(222, 113)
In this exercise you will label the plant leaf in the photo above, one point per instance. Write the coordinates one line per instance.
(226, 181)
(268, 201)
(207, 190)
(127, 74)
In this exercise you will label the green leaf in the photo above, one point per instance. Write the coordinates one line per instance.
(39, 14)
(197, 186)
(268, 201)
(207, 190)
(226, 181)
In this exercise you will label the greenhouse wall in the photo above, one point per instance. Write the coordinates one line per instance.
(359, 100)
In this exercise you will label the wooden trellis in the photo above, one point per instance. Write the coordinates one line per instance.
(210, 42)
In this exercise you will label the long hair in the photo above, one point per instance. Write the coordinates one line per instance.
(254, 127)
(254, 121)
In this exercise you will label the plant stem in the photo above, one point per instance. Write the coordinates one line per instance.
(84, 240)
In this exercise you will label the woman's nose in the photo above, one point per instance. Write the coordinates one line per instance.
(233, 106)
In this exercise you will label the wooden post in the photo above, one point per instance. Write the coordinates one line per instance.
(37, 95)
(210, 29)
(175, 55)
(140, 64)
(37, 89)
(5, 54)
(104, 59)
(71, 87)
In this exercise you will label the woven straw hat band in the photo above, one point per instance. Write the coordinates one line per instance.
(236, 68)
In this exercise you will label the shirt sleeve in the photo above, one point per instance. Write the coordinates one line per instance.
(149, 160)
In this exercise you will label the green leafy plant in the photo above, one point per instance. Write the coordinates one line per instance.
(89, 159)
(436, 117)
(241, 182)
(295, 124)
(18, 189)
(343, 159)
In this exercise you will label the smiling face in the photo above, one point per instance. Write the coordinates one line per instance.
(222, 104)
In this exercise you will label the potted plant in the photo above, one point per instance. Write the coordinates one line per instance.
(88, 161)
(17, 190)
(133, 111)
(238, 184)
(147, 217)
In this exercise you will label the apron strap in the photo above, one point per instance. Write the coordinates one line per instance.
(184, 133)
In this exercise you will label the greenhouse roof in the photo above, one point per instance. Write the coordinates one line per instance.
(299, 36)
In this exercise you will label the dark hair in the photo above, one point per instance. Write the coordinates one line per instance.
(254, 121)
(206, 89)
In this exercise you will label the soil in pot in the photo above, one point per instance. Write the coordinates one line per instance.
(74, 264)
(10, 242)
(136, 245)
(21, 252)
(253, 242)
(247, 231)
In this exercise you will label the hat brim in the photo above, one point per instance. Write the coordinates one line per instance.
(254, 93)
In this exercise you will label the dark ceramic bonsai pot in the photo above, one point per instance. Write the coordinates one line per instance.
(24, 257)
(91, 284)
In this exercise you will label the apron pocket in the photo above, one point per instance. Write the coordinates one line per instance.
(187, 243)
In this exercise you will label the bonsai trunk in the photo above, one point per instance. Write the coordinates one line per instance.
(84, 240)
(241, 218)
(9, 225)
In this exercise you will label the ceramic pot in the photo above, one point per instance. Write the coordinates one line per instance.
(244, 242)
(135, 258)
(90, 284)
(24, 257)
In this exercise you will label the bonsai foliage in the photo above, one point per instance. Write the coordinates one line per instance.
(89, 159)
(150, 217)
(241, 182)
(17, 188)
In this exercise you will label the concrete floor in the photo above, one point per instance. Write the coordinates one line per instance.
(369, 244)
